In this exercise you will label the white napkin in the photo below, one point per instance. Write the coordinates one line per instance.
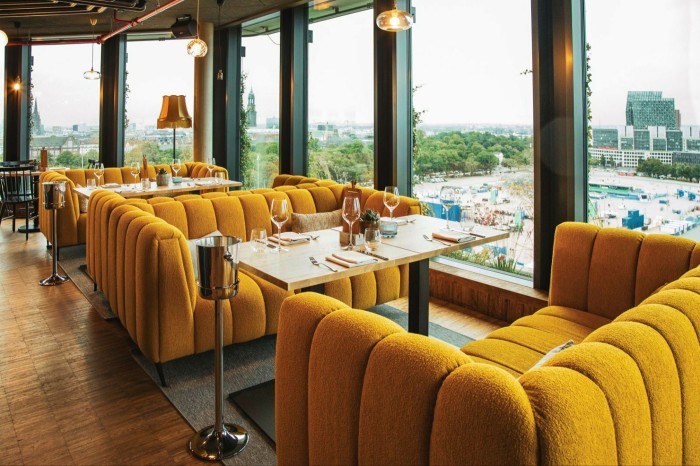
(350, 258)
(111, 185)
(454, 236)
(289, 237)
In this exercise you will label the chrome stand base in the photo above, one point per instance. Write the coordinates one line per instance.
(54, 279)
(213, 446)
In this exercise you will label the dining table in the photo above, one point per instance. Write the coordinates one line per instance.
(188, 185)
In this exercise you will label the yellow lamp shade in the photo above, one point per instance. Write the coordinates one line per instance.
(173, 113)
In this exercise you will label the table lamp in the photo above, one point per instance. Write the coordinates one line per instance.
(173, 114)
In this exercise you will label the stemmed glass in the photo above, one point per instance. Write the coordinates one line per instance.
(448, 198)
(351, 213)
(391, 199)
(99, 171)
(176, 166)
(279, 213)
(210, 167)
(135, 171)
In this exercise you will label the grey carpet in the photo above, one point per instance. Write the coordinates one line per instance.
(191, 383)
(72, 261)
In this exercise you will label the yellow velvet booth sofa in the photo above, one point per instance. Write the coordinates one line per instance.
(72, 219)
(138, 255)
(353, 387)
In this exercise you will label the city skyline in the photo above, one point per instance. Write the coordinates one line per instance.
(483, 77)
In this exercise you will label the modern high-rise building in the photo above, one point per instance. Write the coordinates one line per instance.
(642, 139)
(605, 138)
(649, 108)
(674, 140)
(627, 143)
(658, 144)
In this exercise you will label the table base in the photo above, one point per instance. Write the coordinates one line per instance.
(207, 444)
(54, 279)
(258, 403)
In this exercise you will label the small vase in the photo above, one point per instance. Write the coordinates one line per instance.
(163, 179)
(364, 224)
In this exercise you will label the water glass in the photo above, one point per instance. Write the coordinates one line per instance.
(466, 220)
(373, 239)
(258, 239)
(91, 183)
(219, 177)
(145, 184)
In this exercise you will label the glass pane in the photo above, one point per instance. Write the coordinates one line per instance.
(341, 97)
(644, 117)
(155, 69)
(260, 115)
(2, 106)
(472, 101)
(64, 106)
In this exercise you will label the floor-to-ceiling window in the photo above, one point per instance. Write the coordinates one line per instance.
(64, 106)
(156, 68)
(260, 101)
(341, 95)
(472, 99)
(644, 115)
(2, 106)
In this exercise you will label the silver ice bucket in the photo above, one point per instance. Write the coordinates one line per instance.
(54, 194)
(217, 266)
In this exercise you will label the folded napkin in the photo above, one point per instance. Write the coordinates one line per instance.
(397, 220)
(111, 185)
(289, 237)
(350, 259)
(454, 236)
(184, 178)
(203, 182)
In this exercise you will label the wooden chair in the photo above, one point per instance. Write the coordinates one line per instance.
(17, 186)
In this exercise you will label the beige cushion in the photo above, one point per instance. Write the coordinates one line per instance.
(301, 223)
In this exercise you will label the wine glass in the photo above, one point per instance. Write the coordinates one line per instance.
(135, 171)
(210, 167)
(351, 213)
(279, 213)
(176, 165)
(99, 171)
(448, 198)
(391, 199)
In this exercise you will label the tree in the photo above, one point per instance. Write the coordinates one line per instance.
(246, 142)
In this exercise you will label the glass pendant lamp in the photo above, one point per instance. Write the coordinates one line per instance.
(197, 47)
(91, 74)
(394, 20)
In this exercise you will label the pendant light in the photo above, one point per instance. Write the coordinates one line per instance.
(3, 38)
(394, 20)
(91, 74)
(197, 47)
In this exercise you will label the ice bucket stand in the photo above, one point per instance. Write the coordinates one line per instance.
(217, 266)
(54, 199)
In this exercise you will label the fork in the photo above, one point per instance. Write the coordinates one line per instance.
(311, 237)
(436, 240)
(315, 262)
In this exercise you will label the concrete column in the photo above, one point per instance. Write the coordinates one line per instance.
(203, 114)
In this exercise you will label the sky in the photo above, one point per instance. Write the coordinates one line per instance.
(469, 72)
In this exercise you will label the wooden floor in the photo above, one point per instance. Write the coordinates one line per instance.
(70, 392)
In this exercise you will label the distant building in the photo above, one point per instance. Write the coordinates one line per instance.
(658, 144)
(272, 123)
(605, 138)
(688, 158)
(630, 158)
(251, 113)
(674, 140)
(693, 145)
(641, 139)
(38, 129)
(649, 108)
(627, 143)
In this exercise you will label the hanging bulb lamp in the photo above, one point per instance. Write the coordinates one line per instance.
(197, 47)
(3, 38)
(91, 74)
(394, 20)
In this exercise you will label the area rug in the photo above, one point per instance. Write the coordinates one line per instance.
(72, 261)
(191, 383)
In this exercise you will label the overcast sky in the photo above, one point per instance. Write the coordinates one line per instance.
(469, 72)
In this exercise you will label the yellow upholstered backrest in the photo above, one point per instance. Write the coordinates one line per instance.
(302, 201)
(230, 220)
(201, 219)
(662, 259)
(174, 214)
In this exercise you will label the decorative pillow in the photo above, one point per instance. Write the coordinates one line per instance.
(552, 352)
(192, 243)
(83, 204)
(301, 223)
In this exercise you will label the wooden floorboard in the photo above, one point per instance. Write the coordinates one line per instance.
(70, 392)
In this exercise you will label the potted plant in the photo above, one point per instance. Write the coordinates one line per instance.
(369, 219)
(162, 178)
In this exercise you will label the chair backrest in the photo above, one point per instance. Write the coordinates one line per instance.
(17, 184)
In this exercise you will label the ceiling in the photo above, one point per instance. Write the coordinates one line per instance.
(37, 19)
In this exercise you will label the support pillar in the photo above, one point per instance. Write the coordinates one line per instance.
(16, 130)
(202, 144)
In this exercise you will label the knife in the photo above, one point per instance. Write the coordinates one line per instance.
(374, 255)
